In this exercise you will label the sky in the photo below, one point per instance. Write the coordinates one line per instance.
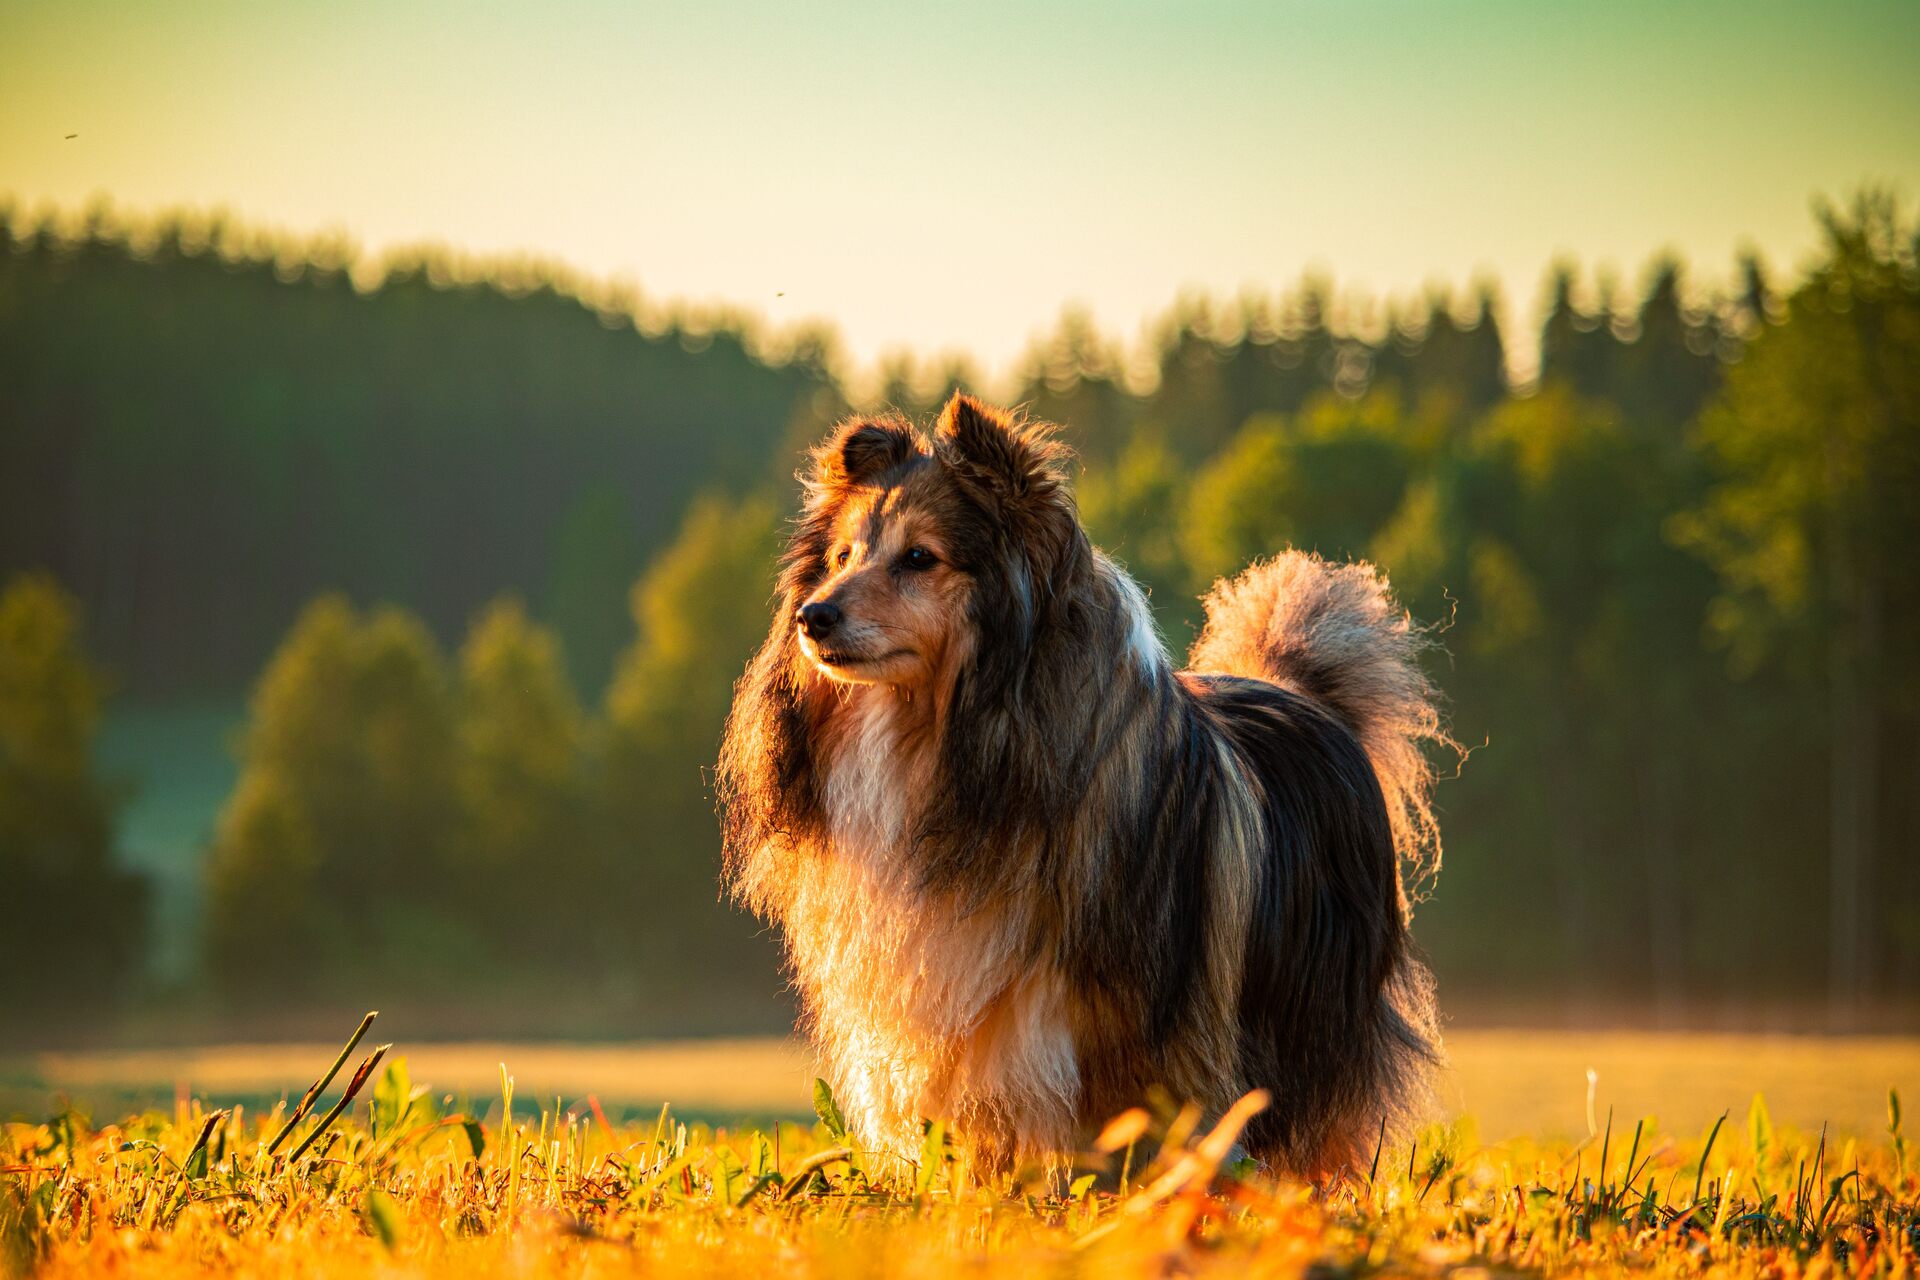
(946, 179)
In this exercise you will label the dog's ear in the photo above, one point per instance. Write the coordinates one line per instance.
(862, 448)
(1015, 462)
(1016, 470)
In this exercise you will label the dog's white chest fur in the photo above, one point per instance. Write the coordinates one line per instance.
(920, 1009)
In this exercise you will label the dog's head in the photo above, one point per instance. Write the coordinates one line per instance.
(918, 555)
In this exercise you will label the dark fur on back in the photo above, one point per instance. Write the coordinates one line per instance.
(1335, 1015)
(1063, 873)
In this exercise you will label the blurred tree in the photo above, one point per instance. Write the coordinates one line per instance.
(899, 377)
(596, 555)
(202, 426)
(1324, 480)
(1131, 509)
(1576, 660)
(1073, 378)
(1665, 375)
(701, 610)
(269, 924)
(74, 924)
(1194, 406)
(1530, 515)
(1752, 305)
(1220, 368)
(518, 769)
(918, 388)
(1811, 526)
(1577, 346)
(1437, 357)
(331, 859)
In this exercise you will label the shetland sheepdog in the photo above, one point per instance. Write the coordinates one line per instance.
(1025, 869)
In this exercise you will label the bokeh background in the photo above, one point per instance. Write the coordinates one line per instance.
(399, 411)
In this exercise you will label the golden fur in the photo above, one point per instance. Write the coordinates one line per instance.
(1024, 868)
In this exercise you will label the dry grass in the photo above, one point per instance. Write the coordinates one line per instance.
(409, 1181)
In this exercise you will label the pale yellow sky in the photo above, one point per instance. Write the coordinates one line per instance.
(947, 178)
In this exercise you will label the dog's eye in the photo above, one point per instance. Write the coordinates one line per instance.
(919, 558)
(840, 558)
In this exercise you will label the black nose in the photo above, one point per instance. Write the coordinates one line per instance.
(819, 620)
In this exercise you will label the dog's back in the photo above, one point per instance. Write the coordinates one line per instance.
(1335, 1011)
(1313, 673)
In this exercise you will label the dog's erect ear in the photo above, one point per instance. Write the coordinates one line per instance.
(862, 448)
(1013, 461)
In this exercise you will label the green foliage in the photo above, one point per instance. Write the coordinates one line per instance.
(1674, 569)
(1810, 525)
(519, 771)
(397, 1102)
(54, 814)
(1445, 361)
(1074, 378)
(699, 613)
(1899, 1139)
(1132, 510)
(231, 413)
(392, 822)
(1323, 480)
(935, 1156)
(1759, 1127)
(74, 922)
(341, 829)
(596, 557)
(828, 1110)
(1812, 521)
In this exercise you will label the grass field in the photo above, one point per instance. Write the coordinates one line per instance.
(461, 1173)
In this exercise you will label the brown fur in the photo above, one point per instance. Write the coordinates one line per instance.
(1024, 869)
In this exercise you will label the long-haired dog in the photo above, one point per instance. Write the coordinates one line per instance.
(1025, 869)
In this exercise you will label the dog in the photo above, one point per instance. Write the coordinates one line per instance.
(1025, 869)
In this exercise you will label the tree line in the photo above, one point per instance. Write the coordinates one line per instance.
(1671, 578)
(205, 427)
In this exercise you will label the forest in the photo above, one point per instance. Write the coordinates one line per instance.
(485, 545)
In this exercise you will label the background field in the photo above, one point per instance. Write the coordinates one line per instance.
(1512, 1083)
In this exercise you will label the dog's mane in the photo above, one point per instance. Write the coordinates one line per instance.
(1010, 766)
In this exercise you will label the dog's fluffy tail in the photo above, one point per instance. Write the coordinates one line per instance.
(1332, 632)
